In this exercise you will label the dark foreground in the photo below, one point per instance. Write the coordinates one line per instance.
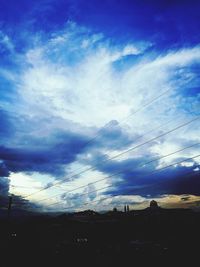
(139, 238)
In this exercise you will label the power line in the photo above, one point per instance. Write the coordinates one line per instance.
(190, 173)
(20, 186)
(26, 187)
(152, 130)
(125, 119)
(107, 154)
(142, 177)
(118, 155)
(130, 115)
(141, 108)
(112, 197)
(146, 105)
(155, 171)
(144, 164)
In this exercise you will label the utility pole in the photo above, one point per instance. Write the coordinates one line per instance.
(127, 208)
(9, 206)
(124, 208)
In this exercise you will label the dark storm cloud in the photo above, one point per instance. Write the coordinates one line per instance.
(33, 139)
(4, 186)
(4, 183)
(21, 151)
(110, 165)
(19, 203)
(50, 154)
(147, 180)
(49, 159)
(178, 180)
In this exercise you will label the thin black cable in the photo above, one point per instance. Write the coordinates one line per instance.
(107, 154)
(112, 175)
(89, 202)
(191, 173)
(118, 155)
(147, 104)
(149, 174)
(130, 115)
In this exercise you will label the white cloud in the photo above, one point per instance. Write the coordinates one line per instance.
(25, 184)
(72, 78)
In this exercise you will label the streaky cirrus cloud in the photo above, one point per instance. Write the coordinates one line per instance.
(64, 87)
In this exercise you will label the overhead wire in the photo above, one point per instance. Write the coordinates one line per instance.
(133, 113)
(146, 163)
(118, 155)
(179, 162)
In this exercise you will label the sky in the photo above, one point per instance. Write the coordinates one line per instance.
(99, 104)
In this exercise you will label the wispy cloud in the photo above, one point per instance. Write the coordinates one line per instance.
(67, 86)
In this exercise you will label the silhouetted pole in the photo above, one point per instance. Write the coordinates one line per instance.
(125, 208)
(9, 206)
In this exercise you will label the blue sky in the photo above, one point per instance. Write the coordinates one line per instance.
(69, 68)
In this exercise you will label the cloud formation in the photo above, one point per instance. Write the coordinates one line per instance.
(73, 98)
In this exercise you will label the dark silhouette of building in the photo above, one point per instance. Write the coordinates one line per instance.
(114, 209)
(153, 204)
